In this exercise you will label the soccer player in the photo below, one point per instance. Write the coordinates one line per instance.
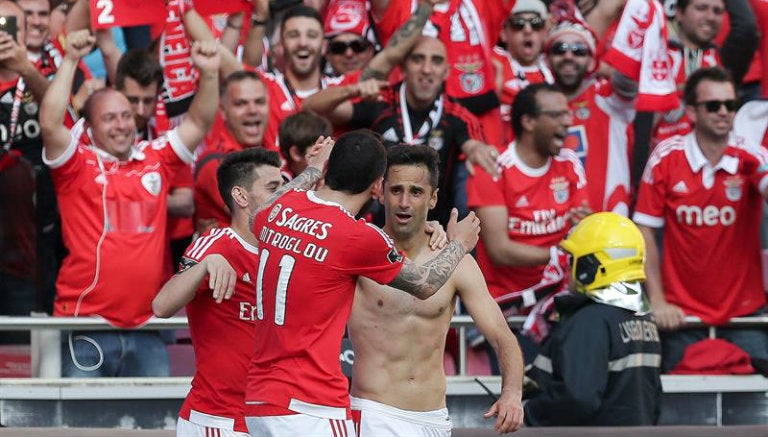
(398, 384)
(311, 253)
(706, 190)
(216, 284)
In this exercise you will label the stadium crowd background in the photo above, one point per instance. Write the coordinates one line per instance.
(339, 61)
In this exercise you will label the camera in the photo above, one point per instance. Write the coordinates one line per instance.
(8, 25)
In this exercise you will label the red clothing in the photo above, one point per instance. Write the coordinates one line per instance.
(711, 266)
(284, 100)
(208, 202)
(515, 78)
(469, 29)
(602, 136)
(311, 253)
(222, 333)
(115, 262)
(181, 227)
(538, 202)
(760, 8)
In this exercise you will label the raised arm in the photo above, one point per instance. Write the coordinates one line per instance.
(501, 249)
(399, 45)
(56, 136)
(109, 51)
(253, 49)
(423, 280)
(182, 287)
(203, 108)
(488, 318)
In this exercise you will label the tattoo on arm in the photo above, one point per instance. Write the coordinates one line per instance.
(305, 181)
(424, 280)
(407, 31)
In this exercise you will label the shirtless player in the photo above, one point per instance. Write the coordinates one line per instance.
(398, 383)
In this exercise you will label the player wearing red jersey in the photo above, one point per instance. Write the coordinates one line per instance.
(312, 250)
(215, 283)
(113, 196)
(521, 61)
(706, 189)
(601, 128)
(530, 207)
(398, 384)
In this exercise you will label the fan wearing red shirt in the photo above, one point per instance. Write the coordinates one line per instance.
(706, 190)
(113, 198)
(521, 60)
(241, 124)
(531, 206)
(601, 128)
(312, 250)
(215, 283)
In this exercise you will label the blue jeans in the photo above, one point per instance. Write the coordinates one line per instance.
(113, 353)
(753, 341)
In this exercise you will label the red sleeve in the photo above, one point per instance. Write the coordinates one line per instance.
(183, 178)
(369, 252)
(649, 210)
(499, 9)
(208, 202)
(482, 190)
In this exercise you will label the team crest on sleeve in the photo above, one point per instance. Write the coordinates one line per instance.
(275, 210)
(559, 187)
(733, 188)
(394, 256)
(152, 182)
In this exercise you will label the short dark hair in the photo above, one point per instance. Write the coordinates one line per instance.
(237, 76)
(301, 130)
(141, 66)
(405, 154)
(712, 74)
(526, 103)
(238, 169)
(358, 158)
(300, 11)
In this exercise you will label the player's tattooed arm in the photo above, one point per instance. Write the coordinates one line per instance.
(399, 45)
(422, 281)
(305, 181)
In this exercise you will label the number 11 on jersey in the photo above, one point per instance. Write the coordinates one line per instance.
(284, 278)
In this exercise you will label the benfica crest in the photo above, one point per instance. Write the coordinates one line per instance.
(471, 78)
(559, 186)
(660, 67)
(733, 188)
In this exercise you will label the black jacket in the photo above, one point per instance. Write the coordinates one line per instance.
(600, 366)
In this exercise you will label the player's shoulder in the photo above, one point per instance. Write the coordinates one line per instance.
(210, 242)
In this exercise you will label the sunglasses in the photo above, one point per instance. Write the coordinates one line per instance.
(518, 23)
(715, 105)
(340, 47)
(578, 49)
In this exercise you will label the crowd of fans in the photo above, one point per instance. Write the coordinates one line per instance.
(629, 108)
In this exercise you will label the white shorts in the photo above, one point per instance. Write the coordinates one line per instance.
(298, 425)
(185, 428)
(374, 419)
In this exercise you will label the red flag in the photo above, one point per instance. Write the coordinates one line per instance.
(210, 7)
(109, 13)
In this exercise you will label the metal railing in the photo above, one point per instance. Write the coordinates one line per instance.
(462, 322)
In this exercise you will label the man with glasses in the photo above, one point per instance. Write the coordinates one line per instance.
(349, 37)
(521, 61)
(603, 112)
(706, 189)
(530, 207)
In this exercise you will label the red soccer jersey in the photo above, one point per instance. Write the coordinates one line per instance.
(711, 217)
(602, 136)
(538, 202)
(114, 224)
(311, 253)
(222, 333)
(515, 77)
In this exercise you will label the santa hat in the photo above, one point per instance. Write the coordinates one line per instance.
(532, 6)
(347, 16)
